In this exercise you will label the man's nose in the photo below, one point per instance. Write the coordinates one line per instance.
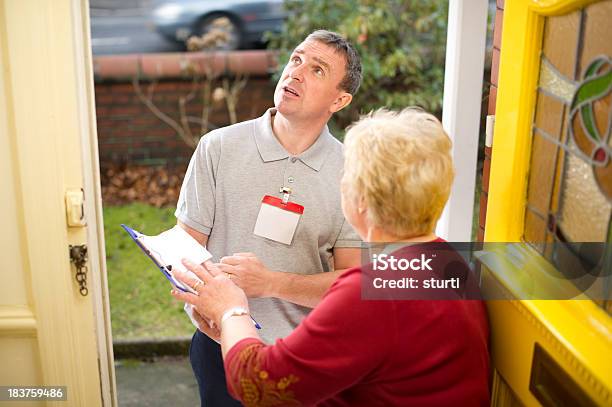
(297, 73)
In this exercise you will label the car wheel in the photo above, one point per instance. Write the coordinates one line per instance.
(223, 24)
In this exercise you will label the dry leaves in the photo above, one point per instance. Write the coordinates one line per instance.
(157, 186)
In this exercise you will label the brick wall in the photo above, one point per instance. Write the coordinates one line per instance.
(128, 132)
(497, 31)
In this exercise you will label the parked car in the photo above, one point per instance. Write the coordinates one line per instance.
(177, 20)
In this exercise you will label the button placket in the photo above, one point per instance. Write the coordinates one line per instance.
(291, 178)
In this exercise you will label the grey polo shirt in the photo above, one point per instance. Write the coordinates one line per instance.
(232, 169)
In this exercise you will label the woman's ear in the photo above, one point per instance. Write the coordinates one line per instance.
(361, 206)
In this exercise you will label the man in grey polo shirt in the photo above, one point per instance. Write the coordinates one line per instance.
(264, 197)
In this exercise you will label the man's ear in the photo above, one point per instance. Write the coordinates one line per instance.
(343, 100)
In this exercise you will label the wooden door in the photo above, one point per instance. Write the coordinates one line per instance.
(50, 334)
(550, 186)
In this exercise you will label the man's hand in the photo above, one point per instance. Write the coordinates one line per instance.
(249, 273)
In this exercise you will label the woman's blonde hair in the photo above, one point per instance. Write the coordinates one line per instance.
(399, 165)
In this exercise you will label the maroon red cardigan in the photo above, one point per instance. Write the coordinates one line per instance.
(352, 352)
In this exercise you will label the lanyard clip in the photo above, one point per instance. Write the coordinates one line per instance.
(286, 191)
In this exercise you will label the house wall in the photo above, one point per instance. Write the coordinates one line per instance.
(129, 132)
(497, 31)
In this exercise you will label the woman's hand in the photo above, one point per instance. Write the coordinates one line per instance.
(216, 292)
(207, 328)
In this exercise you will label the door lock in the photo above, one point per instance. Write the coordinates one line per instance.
(75, 211)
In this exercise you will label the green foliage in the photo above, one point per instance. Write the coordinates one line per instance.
(141, 305)
(401, 44)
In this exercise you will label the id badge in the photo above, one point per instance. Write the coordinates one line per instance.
(277, 220)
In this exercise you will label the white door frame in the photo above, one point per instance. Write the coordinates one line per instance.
(464, 69)
(93, 200)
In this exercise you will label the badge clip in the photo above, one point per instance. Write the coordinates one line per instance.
(286, 191)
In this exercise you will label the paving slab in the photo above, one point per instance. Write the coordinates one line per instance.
(165, 381)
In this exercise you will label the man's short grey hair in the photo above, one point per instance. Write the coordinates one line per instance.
(352, 77)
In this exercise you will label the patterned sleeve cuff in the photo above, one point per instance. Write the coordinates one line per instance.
(250, 380)
(233, 363)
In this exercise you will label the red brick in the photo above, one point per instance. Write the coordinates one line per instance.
(128, 110)
(121, 88)
(495, 66)
(116, 146)
(101, 111)
(482, 217)
(145, 119)
(163, 131)
(486, 170)
(489, 151)
(481, 233)
(497, 30)
(104, 98)
(122, 98)
(168, 86)
(104, 121)
(492, 100)
(101, 88)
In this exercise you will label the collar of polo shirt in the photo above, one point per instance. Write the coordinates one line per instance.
(271, 149)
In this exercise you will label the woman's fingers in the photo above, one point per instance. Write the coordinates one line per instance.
(187, 280)
(198, 270)
(185, 297)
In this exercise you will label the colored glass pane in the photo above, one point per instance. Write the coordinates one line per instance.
(584, 213)
(559, 167)
(548, 112)
(535, 229)
(561, 42)
(554, 83)
(597, 33)
(541, 175)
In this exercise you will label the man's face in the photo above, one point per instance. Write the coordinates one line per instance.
(308, 86)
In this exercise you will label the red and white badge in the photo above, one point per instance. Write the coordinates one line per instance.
(277, 219)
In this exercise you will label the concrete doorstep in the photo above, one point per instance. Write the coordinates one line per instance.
(154, 372)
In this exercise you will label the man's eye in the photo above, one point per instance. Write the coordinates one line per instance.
(295, 60)
(319, 71)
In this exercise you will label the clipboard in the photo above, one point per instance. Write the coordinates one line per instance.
(185, 247)
(157, 258)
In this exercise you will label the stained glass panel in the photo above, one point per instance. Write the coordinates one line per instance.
(569, 197)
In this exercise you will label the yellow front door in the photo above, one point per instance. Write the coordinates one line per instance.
(50, 333)
(551, 187)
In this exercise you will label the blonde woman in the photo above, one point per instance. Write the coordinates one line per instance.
(397, 178)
